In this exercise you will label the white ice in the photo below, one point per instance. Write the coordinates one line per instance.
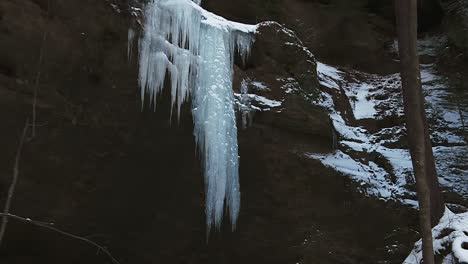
(194, 49)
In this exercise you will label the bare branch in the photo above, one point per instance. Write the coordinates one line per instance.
(50, 227)
(11, 189)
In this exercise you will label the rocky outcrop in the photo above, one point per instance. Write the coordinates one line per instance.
(337, 31)
(287, 71)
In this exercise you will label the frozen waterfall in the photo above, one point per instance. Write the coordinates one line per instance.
(196, 49)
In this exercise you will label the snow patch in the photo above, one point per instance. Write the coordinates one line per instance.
(456, 225)
(259, 86)
(373, 179)
(363, 106)
(329, 76)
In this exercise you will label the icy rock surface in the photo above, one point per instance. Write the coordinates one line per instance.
(195, 49)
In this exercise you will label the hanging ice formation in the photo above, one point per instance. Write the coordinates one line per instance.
(196, 49)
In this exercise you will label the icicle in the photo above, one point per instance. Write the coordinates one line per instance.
(169, 25)
(243, 43)
(131, 36)
(215, 125)
(245, 106)
(196, 48)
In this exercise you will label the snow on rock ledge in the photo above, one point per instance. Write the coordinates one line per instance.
(376, 136)
(450, 240)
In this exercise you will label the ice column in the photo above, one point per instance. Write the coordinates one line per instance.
(196, 49)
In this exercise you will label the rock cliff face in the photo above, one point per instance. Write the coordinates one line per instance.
(102, 167)
(337, 31)
(456, 23)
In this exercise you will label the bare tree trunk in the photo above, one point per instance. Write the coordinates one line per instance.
(437, 205)
(430, 200)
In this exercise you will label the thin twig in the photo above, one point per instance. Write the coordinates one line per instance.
(12, 187)
(49, 227)
(38, 75)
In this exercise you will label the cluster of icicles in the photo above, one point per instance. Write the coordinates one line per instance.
(196, 49)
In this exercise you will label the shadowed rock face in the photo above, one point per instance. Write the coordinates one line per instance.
(456, 23)
(101, 166)
(281, 62)
(337, 31)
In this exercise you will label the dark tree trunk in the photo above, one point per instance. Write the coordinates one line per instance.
(430, 200)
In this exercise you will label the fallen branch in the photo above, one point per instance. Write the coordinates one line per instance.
(11, 189)
(49, 227)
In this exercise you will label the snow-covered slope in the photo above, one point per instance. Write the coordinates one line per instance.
(376, 99)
